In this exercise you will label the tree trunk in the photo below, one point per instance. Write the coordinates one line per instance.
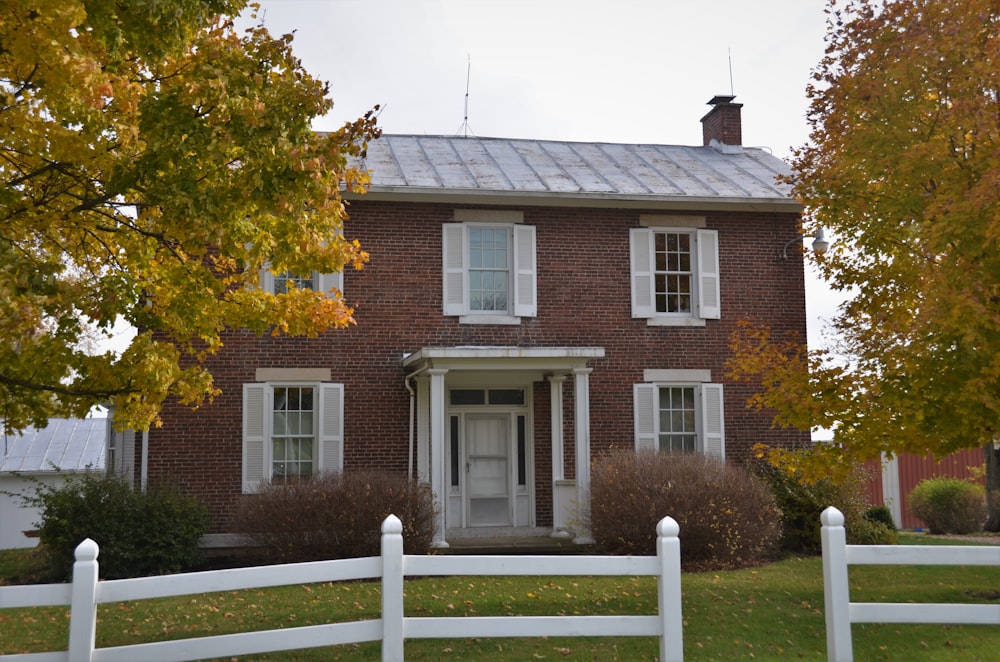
(992, 451)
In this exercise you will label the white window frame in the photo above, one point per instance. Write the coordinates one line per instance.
(710, 423)
(705, 285)
(258, 406)
(522, 284)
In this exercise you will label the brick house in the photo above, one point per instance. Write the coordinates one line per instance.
(528, 304)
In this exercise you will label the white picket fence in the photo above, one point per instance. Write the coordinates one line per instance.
(841, 612)
(392, 629)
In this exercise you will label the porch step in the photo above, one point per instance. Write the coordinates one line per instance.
(516, 546)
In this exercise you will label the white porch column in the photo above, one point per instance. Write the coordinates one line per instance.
(581, 410)
(423, 429)
(556, 395)
(437, 458)
(561, 500)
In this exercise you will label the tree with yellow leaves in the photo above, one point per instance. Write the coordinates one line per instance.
(154, 160)
(903, 166)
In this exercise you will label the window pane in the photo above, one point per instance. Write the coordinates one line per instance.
(522, 452)
(506, 396)
(305, 448)
(468, 396)
(500, 302)
(454, 451)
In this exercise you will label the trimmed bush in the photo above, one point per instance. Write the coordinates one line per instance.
(727, 518)
(139, 533)
(949, 505)
(335, 516)
(802, 501)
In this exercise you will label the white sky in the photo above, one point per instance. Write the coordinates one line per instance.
(631, 71)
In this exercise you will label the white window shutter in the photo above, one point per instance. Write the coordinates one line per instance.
(644, 409)
(267, 279)
(709, 298)
(713, 427)
(525, 286)
(453, 255)
(254, 435)
(127, 451)
(327, 282)
(331, 428)
(641, 269)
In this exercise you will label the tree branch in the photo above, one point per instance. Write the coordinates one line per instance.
(63, 390)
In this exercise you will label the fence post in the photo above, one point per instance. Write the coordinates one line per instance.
(668, 555)
(392, 589)
(83, 603)
(836, 590)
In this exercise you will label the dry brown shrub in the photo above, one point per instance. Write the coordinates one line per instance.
(727, 517)
(335, 516)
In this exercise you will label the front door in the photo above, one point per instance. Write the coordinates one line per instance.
(488, 469)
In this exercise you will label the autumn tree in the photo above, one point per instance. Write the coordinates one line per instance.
(154, 160)
(903, 166)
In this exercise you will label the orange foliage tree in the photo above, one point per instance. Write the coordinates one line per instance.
(903, 166)
(154, 160)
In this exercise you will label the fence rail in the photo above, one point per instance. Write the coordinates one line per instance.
(85, 593)
(841, 612)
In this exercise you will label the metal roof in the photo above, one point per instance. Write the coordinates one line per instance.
(71, 444)
(406, 166)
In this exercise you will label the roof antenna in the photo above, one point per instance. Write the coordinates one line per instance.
(464, 129)
(732, 92)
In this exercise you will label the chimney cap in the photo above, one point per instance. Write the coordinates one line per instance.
(721, 99)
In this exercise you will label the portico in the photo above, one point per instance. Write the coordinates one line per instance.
(472, 433)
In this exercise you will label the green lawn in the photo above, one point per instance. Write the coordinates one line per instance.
(771, 612)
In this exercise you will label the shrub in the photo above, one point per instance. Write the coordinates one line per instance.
(139, 533)
(880, 515)
(802, 500)
(727, 518)
(335, 516)
(949, 505)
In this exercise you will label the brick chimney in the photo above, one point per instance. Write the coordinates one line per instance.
(722, 123)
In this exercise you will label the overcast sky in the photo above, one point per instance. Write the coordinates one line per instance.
(632, 71)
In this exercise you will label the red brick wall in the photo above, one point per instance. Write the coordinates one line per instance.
(583, 300)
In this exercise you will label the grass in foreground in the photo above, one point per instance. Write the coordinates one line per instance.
(771, 612)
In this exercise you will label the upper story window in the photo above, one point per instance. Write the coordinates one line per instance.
(288, 280)
(672, 275)
(291, 431)
(675, 275)
(489, 269)
(679, 417)
(283, 282)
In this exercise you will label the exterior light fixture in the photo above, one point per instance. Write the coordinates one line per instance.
(819, 245)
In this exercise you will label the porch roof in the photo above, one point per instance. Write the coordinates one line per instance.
(554, 359)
